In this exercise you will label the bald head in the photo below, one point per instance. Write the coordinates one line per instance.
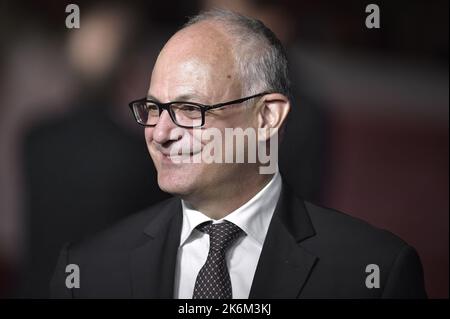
(259, 55)
(240, 47)
(207, 37)
(197, 60)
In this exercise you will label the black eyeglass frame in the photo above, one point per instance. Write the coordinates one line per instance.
(203, 108)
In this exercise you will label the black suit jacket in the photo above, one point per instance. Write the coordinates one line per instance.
(309, 252)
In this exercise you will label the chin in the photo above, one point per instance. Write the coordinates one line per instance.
(175, 183)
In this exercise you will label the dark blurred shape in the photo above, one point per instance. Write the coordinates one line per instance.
(84, 172)
(90, 167)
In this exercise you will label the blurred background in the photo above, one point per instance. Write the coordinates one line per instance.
(367, 135)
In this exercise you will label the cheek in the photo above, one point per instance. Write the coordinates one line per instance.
(235, 117)
(148, 133)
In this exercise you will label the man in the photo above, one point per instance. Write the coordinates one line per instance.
(230, 231)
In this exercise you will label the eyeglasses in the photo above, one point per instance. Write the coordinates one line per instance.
(183, 114)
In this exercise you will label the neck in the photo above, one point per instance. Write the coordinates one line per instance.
(229, 198)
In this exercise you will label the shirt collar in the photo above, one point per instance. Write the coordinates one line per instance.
(253, 217)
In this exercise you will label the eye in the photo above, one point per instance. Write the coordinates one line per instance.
(188, 108)
(151, 107)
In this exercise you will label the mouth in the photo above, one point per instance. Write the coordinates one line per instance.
(167, 157)
(173, 154)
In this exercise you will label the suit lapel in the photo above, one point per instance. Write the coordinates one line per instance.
(284, 265)
(153, 260)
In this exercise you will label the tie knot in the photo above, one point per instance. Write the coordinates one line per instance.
(221, 235)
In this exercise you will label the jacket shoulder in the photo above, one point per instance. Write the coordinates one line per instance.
(104, 258)
(346, 246)
(127, 232)
(342, 228)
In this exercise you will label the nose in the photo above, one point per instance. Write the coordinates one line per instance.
(166, 130)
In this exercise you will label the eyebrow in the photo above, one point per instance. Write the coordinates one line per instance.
(189, 97)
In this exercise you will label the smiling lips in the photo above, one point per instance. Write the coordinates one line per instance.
(168, 153)
(174, 158)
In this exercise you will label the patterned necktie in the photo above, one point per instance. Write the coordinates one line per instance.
(213, 280)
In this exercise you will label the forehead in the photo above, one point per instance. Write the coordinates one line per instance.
(198, 58)
(204, 39)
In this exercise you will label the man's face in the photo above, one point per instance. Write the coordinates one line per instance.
(196, 65)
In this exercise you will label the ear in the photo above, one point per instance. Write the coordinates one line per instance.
(273, 113)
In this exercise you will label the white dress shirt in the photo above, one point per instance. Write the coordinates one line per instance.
(242, 256)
